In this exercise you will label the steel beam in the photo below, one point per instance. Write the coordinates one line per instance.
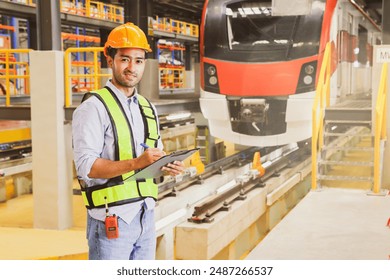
(49, 25)
(386, 22)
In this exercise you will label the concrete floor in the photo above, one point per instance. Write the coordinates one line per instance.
(336, 223)
(339, 222)
(20, 241)
(331, 224)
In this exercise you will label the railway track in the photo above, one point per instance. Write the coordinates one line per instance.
(273, 161)
(204, 212)
(189, 178)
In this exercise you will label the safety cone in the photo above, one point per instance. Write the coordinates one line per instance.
(388, 223)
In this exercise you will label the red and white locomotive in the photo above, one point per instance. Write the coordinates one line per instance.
(260, 63)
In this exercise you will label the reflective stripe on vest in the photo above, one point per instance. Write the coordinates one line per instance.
(118, 191)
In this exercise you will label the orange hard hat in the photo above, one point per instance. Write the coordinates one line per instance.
(127, 35)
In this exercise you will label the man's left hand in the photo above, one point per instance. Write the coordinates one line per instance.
(174, 168)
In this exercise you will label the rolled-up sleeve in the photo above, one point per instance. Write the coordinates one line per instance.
(88, 131)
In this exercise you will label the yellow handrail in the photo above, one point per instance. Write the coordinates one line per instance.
(25, 2)
(90, 8)
(11, 71)
(174, 26)
(380, 125)
(94, 9)
(104, 11)
(321, 100)
(93, 65)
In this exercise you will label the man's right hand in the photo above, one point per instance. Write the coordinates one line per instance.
(149, 156)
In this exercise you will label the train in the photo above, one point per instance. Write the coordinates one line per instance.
(260, 62)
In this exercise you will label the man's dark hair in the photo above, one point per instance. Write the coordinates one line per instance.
(111, 52)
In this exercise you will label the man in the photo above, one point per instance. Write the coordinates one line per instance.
(115, 133)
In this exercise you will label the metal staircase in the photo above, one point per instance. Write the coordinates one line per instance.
(347, 155)
(348, 130)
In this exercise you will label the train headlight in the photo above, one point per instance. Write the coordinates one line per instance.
(309, 69)
(210, 80)
(211, 70)
(307, 80)
(213, 80)
(307, 77)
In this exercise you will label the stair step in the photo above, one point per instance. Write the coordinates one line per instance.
(348, 109)
(362, 149)
(348, 134)
(363, 102)
(344, 178)
(346, 163)
(348, 122)
(351, 114)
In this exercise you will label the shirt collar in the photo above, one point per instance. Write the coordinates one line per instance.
(121, 96)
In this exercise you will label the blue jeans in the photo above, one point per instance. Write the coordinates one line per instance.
(136, 241)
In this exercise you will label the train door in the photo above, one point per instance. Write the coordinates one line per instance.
(362, 63)
(345, 51)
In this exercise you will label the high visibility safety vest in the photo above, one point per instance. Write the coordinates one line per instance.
(118, 191)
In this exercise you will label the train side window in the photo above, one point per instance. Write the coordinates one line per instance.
(362, 46)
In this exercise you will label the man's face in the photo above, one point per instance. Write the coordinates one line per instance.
(128, 67)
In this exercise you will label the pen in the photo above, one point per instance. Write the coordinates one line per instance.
(144, 146)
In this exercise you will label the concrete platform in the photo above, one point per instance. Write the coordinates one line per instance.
(35, 244)
(20, 241)
(331, 224)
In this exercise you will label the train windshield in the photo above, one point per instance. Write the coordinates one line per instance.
(253, 34)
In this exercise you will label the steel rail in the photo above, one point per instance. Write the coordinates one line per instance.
(171, 187)
(204, 212)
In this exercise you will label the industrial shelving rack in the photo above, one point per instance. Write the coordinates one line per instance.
(171, 64)
(171, 50)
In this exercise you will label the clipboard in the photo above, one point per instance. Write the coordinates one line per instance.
(154, 170)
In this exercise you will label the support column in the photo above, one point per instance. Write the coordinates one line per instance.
(137, 12)
(33, 39)
(385, 22)
(51, 142)
(49, 25)
(188, 56)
